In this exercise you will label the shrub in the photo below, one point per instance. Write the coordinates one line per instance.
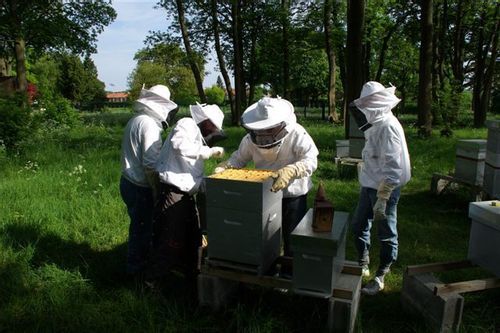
(215, 95)
(15, 123)
(60, 111)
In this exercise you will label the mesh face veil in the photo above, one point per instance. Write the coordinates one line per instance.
(267, 138)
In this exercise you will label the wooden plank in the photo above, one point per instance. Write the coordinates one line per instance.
(265, 281)
(351, 269)
(438, 267)
(466, 286)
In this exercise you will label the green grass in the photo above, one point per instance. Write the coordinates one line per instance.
(63, 231)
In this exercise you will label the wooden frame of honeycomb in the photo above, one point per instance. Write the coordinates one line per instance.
(250, 175)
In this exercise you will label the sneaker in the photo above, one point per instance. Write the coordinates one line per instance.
(373, 287)
(365, 271)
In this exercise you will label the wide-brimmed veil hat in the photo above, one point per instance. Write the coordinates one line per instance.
(267, 113)
(155, 102)
(200, 112)
(375, 97)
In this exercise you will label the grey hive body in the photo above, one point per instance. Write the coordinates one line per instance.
(492, 164)
(318, 257)
(485, 236)
(243, 222)
(469, 162)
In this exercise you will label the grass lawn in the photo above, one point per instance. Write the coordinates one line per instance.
(63, 232)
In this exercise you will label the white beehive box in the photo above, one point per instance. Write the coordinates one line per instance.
(484, 240)
(469, 161)
(491, 181)
(342, 148)
(243, 219)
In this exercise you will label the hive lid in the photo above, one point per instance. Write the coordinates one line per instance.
(477, 144)
(305, 239)
(485, 213)
(493, 124)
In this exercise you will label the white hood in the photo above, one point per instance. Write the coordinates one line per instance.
(155, 103)
(376, 101)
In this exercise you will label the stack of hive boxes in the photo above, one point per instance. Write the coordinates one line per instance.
(485, 235)
(469, 162)
(243, 219)
(318, 257)
(492, 165)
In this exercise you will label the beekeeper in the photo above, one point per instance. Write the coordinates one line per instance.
(275, 141)
(385, 170)
(141, 146)
(177, 234)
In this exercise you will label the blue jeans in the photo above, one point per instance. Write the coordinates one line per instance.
(387, 228)
(139, 201)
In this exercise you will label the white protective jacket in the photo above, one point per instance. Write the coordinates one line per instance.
(296, 146)
(385, 155)
(141, 145)
(181, 160)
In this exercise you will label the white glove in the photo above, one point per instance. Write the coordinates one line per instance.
(222, 166)
(216, 152)
(383, 194)
(379, 210)
(211, 152)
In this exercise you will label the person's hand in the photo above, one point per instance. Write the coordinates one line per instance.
(383, 194)
(216, 152)
(379, 210)
(222, 166)
(282, 177)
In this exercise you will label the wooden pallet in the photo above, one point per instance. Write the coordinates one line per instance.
(441, 183)
(439, 303)
(216, 286)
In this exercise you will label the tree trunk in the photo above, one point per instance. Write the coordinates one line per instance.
(479, 75)
(354, 54)
(20, 47)
(253, 48)
(285, 5)
(189, 51)
(485, 95)
(383, 50)
(220, 56)
(424, 103)
(239, 79)
(330, 51)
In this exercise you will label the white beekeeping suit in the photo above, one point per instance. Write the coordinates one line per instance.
(275, 141)
(141, 142)
(385, 155)
(181, 159)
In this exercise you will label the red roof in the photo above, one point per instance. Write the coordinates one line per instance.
(119, 94)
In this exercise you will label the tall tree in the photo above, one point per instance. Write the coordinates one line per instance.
(220, 55)
(285, 23)
(354, 54)
(239, 79)
(328, 10)
(424, 103)
(487, 48)
(189, 51)
(51, 24)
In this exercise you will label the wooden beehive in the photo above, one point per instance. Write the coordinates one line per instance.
(243, 219)
(322, 212)
(318, 257)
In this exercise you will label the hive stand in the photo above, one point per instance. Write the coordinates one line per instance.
(440, 183)
(217, 286)
(439, 303)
